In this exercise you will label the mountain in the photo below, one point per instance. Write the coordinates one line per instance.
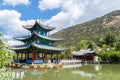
(91, 30)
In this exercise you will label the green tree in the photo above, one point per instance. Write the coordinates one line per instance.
(101, 42)
(117, 47)
(5, 57)
(66, 53)
(91, 45)
(83, 44)
(110, 39)
(6, 54)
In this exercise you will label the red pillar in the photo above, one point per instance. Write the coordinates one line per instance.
(17, 55)
(28, 56)
(42, 56)
(51, 57)
(21, 55)
(33, 55)
(84, 58)
(60, 56)
(46, 55)
(25, 56)
(92, 57)
(57, 56)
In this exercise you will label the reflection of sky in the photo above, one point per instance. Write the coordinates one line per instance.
(84, 74)
(35, 73)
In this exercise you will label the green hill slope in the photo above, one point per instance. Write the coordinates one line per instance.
(91, 30)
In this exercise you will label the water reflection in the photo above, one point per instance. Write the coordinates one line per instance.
(88, 70)
(84, 74)
(72, 66)
(18, 74)
(97, 67)
(35, 72)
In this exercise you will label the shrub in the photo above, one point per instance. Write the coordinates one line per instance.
(110, 56)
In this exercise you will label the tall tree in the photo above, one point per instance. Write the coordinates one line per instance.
(110, 39)
(83, 44)
(91, 45)
(117, 47)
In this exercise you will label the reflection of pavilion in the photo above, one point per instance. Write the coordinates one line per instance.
(97, 67)
(38, 46)
(89, 70)
(84, 74)
(18, 75)
(72, 66)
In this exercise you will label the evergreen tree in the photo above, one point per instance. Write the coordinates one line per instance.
(110, 39)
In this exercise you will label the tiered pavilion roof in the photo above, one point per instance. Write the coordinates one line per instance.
(38, 42)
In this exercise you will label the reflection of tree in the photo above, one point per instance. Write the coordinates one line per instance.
(5, 74)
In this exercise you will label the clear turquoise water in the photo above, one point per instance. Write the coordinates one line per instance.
(85, 72)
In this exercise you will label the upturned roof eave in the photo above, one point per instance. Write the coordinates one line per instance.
(48, 38)
(43, 47)
(28, 28)
(22, 38)
(41, 36)
(80, 53)
(48, 28)
(19, 47)
(48, 47)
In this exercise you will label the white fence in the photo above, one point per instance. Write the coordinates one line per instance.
(73, 61)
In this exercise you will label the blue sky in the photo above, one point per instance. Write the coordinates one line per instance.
(31, 11)
(57, 13)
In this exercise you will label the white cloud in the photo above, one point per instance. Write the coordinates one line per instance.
(12, 25)
(15, 2)
(71, 11)
(48, 4)
(14, 43)
(28, 22)
(76, 11)
(10, 21)
(96, 2)
(108, 5)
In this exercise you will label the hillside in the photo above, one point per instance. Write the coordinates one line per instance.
(91, 30)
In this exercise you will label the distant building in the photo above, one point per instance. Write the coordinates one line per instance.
(38, 46)
(86, 55)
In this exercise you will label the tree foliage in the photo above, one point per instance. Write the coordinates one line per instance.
(5, 53)
(91, 45)
(110, 38)
(111, 56)
(117, 46)
(83, 44)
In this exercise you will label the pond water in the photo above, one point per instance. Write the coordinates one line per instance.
(85, 72)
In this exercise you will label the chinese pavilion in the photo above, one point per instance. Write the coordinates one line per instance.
(37, 47)
(85, 55)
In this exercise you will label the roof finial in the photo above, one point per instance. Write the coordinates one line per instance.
(38, 20)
